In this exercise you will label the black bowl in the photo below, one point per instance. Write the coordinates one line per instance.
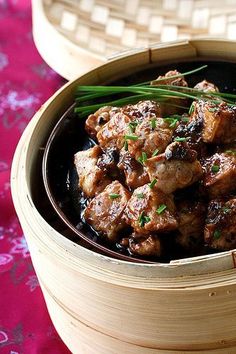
(69, 136)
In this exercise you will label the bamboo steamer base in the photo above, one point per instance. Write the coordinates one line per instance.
(83, 339)
(107, 306)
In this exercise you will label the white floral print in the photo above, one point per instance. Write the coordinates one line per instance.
(20, 246)
(3, 61)
(32, 282)
(3, 337)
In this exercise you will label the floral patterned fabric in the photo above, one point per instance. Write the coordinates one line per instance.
(25, 83)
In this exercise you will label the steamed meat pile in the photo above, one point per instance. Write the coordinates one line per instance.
(155, 183)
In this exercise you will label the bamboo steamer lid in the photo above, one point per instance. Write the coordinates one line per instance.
(107, 306)
(74, 36)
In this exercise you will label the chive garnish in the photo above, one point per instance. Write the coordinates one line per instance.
(144, 156)
(143, 219)
(217, 234)
(153, 123)
(126, 145)
(215, 168)
(147, 219)
(230, 152)
(132, 126)
(225, 210)
(144, 91)
(185, 119)
(181, 139)
(152, 184)
(131, 137)
(180, 74)
(140, 195)
(140, 160)
(191, 109)
(155, 152)
(161, 208)
(213, 109)
(114, 196)
(172, 122)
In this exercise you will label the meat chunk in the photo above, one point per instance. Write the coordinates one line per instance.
(96, 121)
(219, 121)
(104, 212)
(206, 86)
(113, 132)
(192, 131)
(142, 109)
(150, 210)
(108, 161)
(191, 216)
(220, 174)
(220, 229)
(143, 245)
(92, 179)
(135, 174)
(176, 168)
(152, 135)
(168, 80)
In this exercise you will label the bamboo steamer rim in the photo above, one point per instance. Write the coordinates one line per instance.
(198, 272)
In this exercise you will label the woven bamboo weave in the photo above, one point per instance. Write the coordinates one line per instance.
(104, 27)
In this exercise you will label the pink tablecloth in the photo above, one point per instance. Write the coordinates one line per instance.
(25, 83)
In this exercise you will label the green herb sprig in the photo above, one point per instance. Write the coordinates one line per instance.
(161, 209)
(144, 91)
(143, 219)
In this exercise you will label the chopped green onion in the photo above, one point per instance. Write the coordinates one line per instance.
(191, 109)
(155, 152)
(226, 210)
(161, 208)
(140, 160)
(143, 219)
(140, 195)
(140, 219)
(217, 234)
(213, 109)
(153, 123)
(126, 145)
(132, 126)
(230, 152)
(181, 139)
(144, 156)
(185, 119)
(147, 219)
(152, 184)
(114, 196)
(131, 137)
(215, 168)
(176, 116)
(172, 122)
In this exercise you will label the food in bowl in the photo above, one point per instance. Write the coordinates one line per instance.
(157, 179)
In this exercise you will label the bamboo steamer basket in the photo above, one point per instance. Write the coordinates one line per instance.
(101, 305)
(85, 33)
